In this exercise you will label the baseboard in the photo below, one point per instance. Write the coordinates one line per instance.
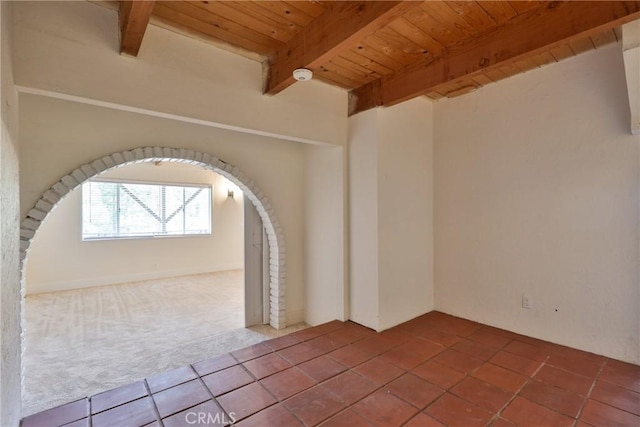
(66, 285)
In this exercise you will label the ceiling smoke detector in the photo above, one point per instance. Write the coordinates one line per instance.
(302, 74)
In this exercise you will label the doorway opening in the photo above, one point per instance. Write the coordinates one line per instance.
(261, 290)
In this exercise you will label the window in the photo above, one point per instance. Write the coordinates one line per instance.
(117, 209)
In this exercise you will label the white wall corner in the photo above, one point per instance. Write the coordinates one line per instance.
(391, 215)
(405, 173)
(631, 57)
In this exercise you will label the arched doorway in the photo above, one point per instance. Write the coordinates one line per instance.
(75, 178)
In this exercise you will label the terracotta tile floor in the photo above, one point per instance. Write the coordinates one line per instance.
(431, 371)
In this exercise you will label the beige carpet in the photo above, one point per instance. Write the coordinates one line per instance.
(81, 342)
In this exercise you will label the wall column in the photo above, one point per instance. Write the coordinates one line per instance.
(391, 214)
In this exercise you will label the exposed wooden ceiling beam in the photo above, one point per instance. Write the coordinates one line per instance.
(134, 18)
(550, 25)
(338, 29)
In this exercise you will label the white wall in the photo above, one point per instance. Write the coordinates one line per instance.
(391, 211)
(405, 211)
(631, 56)
(71, 48)
(58, 136)
(537, 192)
(59, 259)
(363, 219)
(9, 231)
(324, 235)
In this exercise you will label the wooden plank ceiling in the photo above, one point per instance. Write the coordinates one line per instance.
(385, 52)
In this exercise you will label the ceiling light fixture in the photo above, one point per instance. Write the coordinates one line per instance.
(302, 74)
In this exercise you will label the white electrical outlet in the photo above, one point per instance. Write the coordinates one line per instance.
(527, 301)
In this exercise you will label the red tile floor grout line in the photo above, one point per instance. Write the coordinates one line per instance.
(593, 385)
(433, 369)
(497, 415)
(204, 386)
(154, 405)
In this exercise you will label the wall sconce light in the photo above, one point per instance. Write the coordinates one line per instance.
(228, 188)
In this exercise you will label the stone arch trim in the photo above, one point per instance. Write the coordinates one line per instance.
(75, 178)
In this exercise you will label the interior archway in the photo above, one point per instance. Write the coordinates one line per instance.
(75, 178)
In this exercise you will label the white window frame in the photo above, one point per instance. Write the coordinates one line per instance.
(206, 186)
